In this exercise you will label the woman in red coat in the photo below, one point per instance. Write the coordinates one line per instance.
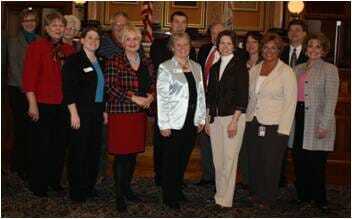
(130, 90)
(42, 82)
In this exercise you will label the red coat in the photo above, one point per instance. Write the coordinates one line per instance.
(41, 73)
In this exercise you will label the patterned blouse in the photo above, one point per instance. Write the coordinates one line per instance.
(121, 80)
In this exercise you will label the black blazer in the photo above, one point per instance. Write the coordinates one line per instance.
(160, 52)
(229, 94)
(285, 55)
(203, 55)
(80, 82)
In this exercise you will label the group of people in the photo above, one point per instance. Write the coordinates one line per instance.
(242, 105)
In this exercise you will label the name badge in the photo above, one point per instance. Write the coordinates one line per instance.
(261, 131)
(88, 69)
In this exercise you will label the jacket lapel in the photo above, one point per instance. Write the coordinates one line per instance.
(227, 69)
(274, 73)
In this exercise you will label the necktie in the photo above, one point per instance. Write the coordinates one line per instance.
(293, 60)
(208, 65)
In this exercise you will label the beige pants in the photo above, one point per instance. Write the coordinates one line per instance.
(225, 155)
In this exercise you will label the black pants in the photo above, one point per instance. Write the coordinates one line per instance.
(157, 153)
(208, 169)
(48, 150)
(20, 160)
(309, 165)
(124, 166)
(176, 152)
(265, 156)
(85, 149)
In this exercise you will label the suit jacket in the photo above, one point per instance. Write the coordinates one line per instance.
(80, 82)
(203, 55)
(229, 94)
(16, 51)
(275, 102)
(285, 55)
(321, 94)
(173, 95)
(160, 52)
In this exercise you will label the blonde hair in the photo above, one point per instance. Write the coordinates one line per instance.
(74, 21)
(130, 28)
(176, 36)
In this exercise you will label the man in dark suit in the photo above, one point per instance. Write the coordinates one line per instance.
(160, 52)
(207, 56)
(293, 54)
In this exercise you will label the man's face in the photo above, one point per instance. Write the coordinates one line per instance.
(118, 24)
(296, 34)
(214, 32)
(178, 24)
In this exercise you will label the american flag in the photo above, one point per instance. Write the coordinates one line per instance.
(147, 12)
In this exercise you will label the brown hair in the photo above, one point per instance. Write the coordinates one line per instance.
(323, 41)
(87, 29)
(275, 38)
(257, 36)
(53, 16)
(228, 33)
(26, 12)
(299, 23)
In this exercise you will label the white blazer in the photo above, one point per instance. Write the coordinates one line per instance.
(275, 102)
(173, 95)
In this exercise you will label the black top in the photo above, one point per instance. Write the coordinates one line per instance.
(80, 82)
(144, 80)
(229, 94)
(192, 100)
(160, 52)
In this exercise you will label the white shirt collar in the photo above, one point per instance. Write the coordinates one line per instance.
(298, 49)
(226, 59)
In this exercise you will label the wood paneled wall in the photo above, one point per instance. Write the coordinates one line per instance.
(246, 15)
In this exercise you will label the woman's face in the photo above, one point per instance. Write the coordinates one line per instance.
(314, 49)
(29, 23)
(55, 29)
(181, 48)
(226, 46)
(270, 51)
(132, 42)
(70, 31)
(252, 45)
(91, 41)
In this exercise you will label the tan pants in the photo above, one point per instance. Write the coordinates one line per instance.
(225, 155)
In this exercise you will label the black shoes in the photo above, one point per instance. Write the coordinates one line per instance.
(40, 194)
(93, 193)
(204, 183)
(173, 205)
(121, 205)
(132, 197)
(210, 200)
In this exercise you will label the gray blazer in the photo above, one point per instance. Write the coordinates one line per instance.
(321, 93)
(173, 94)
(16, 50)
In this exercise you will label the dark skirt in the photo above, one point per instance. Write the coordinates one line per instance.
(126, 133)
